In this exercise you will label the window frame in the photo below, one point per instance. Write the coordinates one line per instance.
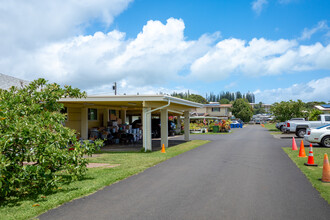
(215, 108)
(89, 114)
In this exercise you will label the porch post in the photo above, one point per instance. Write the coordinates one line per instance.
(84, 123)
(105, 117)
(123, 116)
(164, 127)
(186, 125)
(146, 123)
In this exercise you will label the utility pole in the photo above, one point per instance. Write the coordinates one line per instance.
(114, 87)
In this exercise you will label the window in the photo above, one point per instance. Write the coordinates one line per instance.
(327, 118)
(92, 114)
(113, 112)
(216, 109)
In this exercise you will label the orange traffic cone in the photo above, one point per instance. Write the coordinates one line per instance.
(326, 170)
(310, 161)
(294, 144)
(302, 152)
(163, 149)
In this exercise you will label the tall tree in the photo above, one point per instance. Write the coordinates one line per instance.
(258, 109)
(224, 101)
(242, 109)
(284, 111)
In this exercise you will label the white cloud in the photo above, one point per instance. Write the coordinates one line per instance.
(155, 57)
(52, 45)
(259, 57)
(315, 90)
(231, 85)
(258, 5)
(125, 88)
(28, 25)
(321, 26)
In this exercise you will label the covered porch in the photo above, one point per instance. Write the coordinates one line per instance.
(95, 111)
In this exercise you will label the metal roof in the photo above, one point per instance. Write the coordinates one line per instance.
(7, 82)
(132, 100)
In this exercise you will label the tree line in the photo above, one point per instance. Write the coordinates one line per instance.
(284, 111)
(222, 97)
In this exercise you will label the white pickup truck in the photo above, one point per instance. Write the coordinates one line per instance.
(299, 127)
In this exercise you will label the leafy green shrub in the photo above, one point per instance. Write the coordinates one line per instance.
(36, 150)
(314, 114)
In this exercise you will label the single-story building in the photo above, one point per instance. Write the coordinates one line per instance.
(96, 111)
(265, 106)
(324, 108)
(215, 109)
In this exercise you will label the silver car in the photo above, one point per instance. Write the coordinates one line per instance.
(320, 135)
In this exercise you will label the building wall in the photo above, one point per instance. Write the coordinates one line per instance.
(201, 110)
(98, 122)
(224, 111)
(74, 119)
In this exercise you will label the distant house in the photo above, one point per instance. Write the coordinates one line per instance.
(265, 106)
(8, 81)
(324, 108)
(215, 109)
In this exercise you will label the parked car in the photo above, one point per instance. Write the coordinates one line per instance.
(282, 125)
(320, 135)
(300, 127)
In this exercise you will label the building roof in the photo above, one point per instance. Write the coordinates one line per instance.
(218, 105)
(226, 105)
(137, 102)
(130, 99)
(212, 105)
(8, 81)
(323, 107)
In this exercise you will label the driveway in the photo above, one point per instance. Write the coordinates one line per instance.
(243, 175)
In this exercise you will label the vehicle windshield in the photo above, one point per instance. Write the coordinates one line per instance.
(323, 126)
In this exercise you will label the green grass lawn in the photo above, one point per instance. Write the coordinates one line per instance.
(130, 163)
(271, 127)
(314, 174)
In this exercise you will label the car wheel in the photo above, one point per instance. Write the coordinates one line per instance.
(282, 129)
(326, 141)
(301, 132)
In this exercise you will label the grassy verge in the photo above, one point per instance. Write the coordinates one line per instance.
(271, 127)
(314, 174)
(130, 163)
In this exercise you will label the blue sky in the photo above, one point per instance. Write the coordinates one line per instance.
(278, 49)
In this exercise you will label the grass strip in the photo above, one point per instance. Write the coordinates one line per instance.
(313, 174)
(96, 178)
(271, 127)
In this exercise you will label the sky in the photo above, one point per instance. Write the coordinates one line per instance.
(277, 49)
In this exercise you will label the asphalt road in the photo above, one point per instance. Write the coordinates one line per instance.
(243, 175)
